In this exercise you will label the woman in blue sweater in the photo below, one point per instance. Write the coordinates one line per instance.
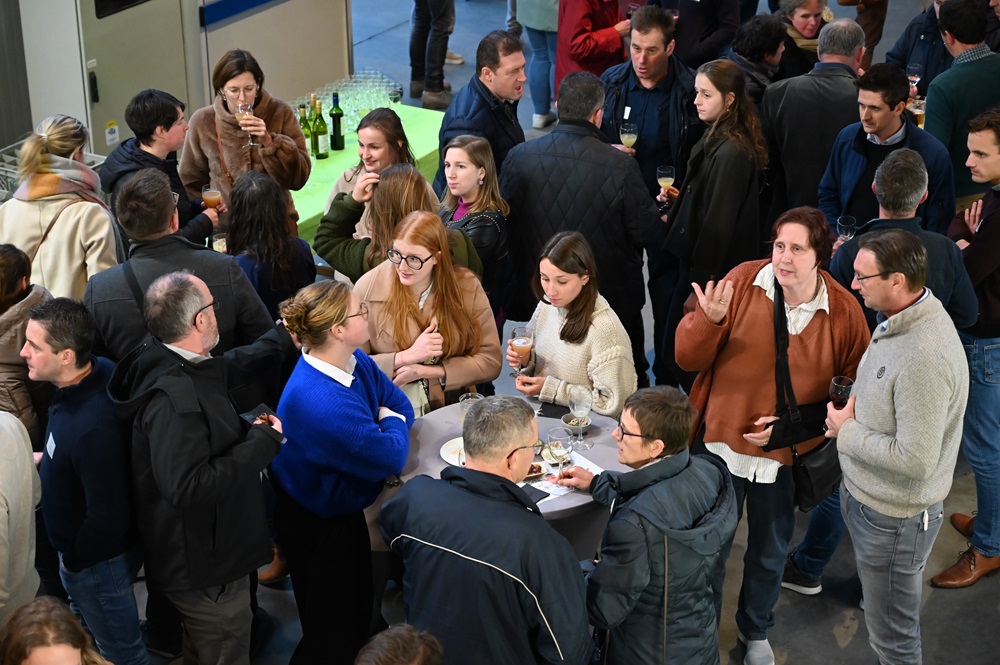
(347, 429)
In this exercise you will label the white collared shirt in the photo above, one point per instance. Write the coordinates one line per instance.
(190, 356)
(344, 378)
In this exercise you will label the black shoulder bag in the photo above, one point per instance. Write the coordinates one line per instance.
(817, 472)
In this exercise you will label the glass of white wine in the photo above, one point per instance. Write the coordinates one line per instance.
(580, 402)
(665, 176)
(245, 110)
(560, 447)
(629, 134)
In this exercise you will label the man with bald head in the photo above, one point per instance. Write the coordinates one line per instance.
(196, 464)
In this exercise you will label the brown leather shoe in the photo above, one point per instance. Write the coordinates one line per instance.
(967, 570)
(964, 524)
(276, 572)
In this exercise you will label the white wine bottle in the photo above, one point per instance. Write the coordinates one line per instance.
(321, 135)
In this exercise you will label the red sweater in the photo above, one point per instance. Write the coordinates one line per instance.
(736, 359)
(586, 39)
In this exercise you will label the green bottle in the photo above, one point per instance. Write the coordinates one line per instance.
(321, 135)
(336, 124)
(304, 125)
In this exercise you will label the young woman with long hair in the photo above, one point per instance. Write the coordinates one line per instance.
(57, 215)
(472, 204)
(714, 220)
(431, 326)
(46, 631)
(578, 339)
(276, 263)
(381, 143)
(385, 198)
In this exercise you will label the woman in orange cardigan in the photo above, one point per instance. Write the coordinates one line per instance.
(730, 340)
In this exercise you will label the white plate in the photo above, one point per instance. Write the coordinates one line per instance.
(450, 451)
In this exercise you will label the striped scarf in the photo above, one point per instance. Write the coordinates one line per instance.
(62, 176)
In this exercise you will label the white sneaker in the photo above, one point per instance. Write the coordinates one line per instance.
(542, 120)
(452, 58)
(758, 652)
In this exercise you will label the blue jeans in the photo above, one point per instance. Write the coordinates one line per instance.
(770, 510)
(826, 527)
(891, 554)
(981, 437)
(102, 595)
(542, 68)
(432, 22)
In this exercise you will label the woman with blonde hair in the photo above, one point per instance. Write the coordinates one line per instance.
(57, 215)
(578, 339)
(431, 326)
(473, 205)
(45, 631)
(385, 198)
(347, 431)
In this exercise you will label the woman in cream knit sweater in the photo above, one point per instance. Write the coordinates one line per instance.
(578, 339)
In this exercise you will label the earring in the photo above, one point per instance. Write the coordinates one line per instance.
(481, 182)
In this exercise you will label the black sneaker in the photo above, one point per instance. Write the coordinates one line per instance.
(158, 644)
(797, 581)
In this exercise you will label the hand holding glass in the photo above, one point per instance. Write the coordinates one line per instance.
(521, 343)
(629, 134)
(840, 391)
(245, 110)
(211, 196)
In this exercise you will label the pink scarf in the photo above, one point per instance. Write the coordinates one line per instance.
(62, 176)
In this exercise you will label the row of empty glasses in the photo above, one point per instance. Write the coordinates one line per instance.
(358, 94)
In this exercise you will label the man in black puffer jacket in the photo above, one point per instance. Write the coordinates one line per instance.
(573, 180)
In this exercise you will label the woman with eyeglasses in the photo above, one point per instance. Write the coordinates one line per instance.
(730, 339)
(224, 141)
(57, 216)
(385, 198)
(578, 339)
(431, 326)
(347, 431)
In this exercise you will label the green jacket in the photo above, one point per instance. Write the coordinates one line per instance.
(335, 242)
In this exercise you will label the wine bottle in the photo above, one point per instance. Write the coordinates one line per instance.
(336, 124)
(311, 120)
(304, 124)
(321, 135)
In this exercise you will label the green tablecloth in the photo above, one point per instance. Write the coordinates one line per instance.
(421, 126)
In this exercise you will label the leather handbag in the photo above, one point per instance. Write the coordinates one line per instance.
(817, 472)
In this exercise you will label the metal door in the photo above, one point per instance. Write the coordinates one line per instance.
(137, 47)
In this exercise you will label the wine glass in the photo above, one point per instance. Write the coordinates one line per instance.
(840, 391)
(665, 176)
(847, 226)
(465, 403)
(580, 402)
(913, 72)
(245, 110)
(521, 342)
(629, 134)
(560, 447)
(211, 196)
(631, 8)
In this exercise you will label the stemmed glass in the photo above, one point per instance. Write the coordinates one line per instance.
(847, 226)
(580, 402)
(629, 134)
(665, 176)
(521, 342)
(840, 391)
(913, 72)
(560, 447)
(245, 110)
(211, 196)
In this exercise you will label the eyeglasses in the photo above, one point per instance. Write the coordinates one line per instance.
(537, 448)
(415, 262)
(627, 433)
(250, 90)
(861, 278)
(362, 312)
(214, 305)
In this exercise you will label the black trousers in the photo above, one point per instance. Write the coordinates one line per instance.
(330, 563)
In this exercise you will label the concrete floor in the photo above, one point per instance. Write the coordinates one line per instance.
(958, 626)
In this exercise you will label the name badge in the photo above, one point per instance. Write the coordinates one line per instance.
(628, 111)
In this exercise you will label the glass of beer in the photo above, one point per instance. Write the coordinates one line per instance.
(211, 196)
(840, 391)
(629, 134)
(521, 343)
(245, 110)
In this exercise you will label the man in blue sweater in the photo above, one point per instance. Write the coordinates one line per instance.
(85, 478)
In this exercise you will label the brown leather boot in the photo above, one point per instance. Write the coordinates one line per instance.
(964, 524)
(967, 570)
(277, 571)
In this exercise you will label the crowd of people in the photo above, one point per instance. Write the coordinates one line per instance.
(179, 393)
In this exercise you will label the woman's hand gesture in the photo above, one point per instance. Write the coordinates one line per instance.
(715, 299)
(364, 188)
(513, 359)
(430, 344)
(530, 386)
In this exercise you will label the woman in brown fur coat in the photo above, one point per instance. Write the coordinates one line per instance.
(216, 149)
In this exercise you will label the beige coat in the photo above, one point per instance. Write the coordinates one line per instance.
(15, 395)
(20, 492)
(81, 244)
(286, 159)
(460, 372)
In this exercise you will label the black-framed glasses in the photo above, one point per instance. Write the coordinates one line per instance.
(861, 278)
(362, 312)
(625, 432)
(214, 305)
(537, 447)
(415, 262)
